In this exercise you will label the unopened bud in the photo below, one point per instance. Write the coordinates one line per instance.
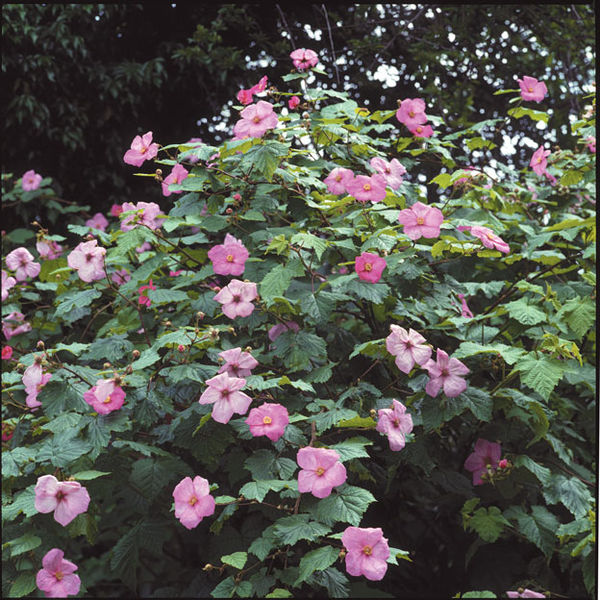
(158, 172)
(200, 315)
(117, 379)
(305, 115)
(228, 210)
(129, 370)
(207, 567)
(342, 553)
(503, 464)
(89, 237)
(106, 365)
(20, 366)
(135, 354)
(181, 348)
(231, 329)
(40, 345)
(248, 349)
(373, 413)
(237, 197)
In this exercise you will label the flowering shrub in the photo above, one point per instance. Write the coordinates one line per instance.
(231, 433)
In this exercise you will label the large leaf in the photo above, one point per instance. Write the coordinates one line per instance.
(316, 560)
(346, 503)
(289, 530)
(540, 374)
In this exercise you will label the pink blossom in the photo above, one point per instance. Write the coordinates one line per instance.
(98, 221)
(143, 299)
(246, 96)
(532, 89)
(365, 188)
(338, 180)
(21, 261)
(464, 308)
(228, 258)
(237, 362)
(394, 422)
(503, 464)
(236, 298)
(256, 119)
(121, 276)
(445, 372)
(175, 273)
(489, 239)
(550, 178)
(304, 59)
(193, 158)
(177, 175)
(278, 329)
(421, 220)
(116, 210)
(367, 552)
(525, 593)
(293, 102)
(193, 501)
(31, 181)
(7, 283)
(269, 419)
(392, 171)
(7, 432)
(412, 112)
(422, 131)
(88, 259)
(57, 578)
(343, 270)
(34, 379)
(538, 160)
(10, 327)
(105, 396)
(591, 144)
(321, 471)
(141, 149)
(147, 215)
(66, 498)
(48, 249)
(486, 454)
(369, 266)
(408, 347)
(7, 352)
(223, 392)
(144, 247)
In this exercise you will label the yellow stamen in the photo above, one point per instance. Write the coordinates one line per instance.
(367, 187)
(256, 120)
(58, 575)
(107, 399)
(320, 471)
(192, 500)
(368, 267)
(420, 221)
(229, 258)
(368, 550)
(267, 420)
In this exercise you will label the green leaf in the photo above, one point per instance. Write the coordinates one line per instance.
(257, 490)
(488, 523)
(510, 354)
(264, 158)
(579, 314)
(279, 593)
(352, 448)
(150, 475)
(542, 473)
(346, 503)
(87, 475)
(76, 348)
(289, 530)
(336, 583)
(367, 422)
(525, 313)
(275, 283)
(316, 560)
(571, 177)
(308, 240)
(541, 374)
(23, 544)
(158, 297)
(72, 300)
(23, 585)
(108, 349)
(531, 529)
(479, 594)
(536, 115)
(147, 358)
(24, 502)
(225, 589)
(571, 492)
(237, 559)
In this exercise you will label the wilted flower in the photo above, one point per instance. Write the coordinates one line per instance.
(10, 327)
(143, 299)
(488, 238)
(34, 379)
(293, 102)
(525, 593)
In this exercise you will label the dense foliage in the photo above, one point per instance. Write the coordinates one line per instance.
(258, 245)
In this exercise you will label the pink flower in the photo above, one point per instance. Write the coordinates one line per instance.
(392, 171)
(7, 352)
(228, 258)
(66, 498)
(278, 329)
(7, 432)
(304, 59)
(10, 327)
(177, 175)
(394, 422)
(121, 276)
(31, 181)
(246, 96)
(369, 266)
(48, 249)
(105, 396)
(538, 160)
(532, 89)
(269, 419)
(255, 121)
(338, 180)
(236, 298)
(147, 215)
(408, 347)
(525, 594)
(175, 273)
(98, 221)
(88, 259)
(464, 308)
(34, 379)
(223, 392)
(367, 552)
(237, 362)
(321, 471)
(421, 220)
(7, 283)
(21, 261)
(422, 131)
(365, 188)
(486, 454)
(193, 501)
(591, 144)
(144, 247)
(143, 299)
(193, 158)
(141, 149)
(489, 239)
(411, 112)
(293, 102)
(57, 578)
(445, 373)
(116, 210)
(503, 464)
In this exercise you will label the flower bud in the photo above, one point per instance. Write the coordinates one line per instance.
(129, 370)
(503, 464)
(40, 345)
(248, 349)
(117, 379)
(237, 197)
(106, 365)
(228, 210)
(181, 348)
(37, 359)
(207, 567)
(200, 315)
(373, 412)
(135, 354)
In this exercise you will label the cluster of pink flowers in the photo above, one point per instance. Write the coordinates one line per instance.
(367, 552)
(269, 419)
(193, 501)
(57, 578)
(105, 396)
(412, 114)
(392, 171)
(34, 379)
(304, 59)
(396, 423)
(48, 249)
(224, 393)
(147, 214)
(228, 258)
(532, 89)
(177, 175)
(142, 149)
(66, 499)
(31, 181)
(321, 471)
(11, 327)
(486, 456)
(88, 260)
(237, 298)
(338, 180)
(255, 120)
(21, 261)
(246, 96)
(369, 266)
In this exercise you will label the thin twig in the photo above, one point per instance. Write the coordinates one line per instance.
(286, 26)
(337, 73)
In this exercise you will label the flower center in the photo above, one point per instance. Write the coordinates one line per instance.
(58, 575)
(192, 500)
(368, 550)
(267, 420)
(23, 262)
(490, 236)
(396, 423)
(419, 129)
(60, 495)
(420, 221)
(256, 120)
(236, 299)
(229, 258)
(89, 257)
(411, 114)
(143, 150)
(445, 373)
(368, 267)
(320, 471)
(107, 399)
(530, 89)
(367, 187)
